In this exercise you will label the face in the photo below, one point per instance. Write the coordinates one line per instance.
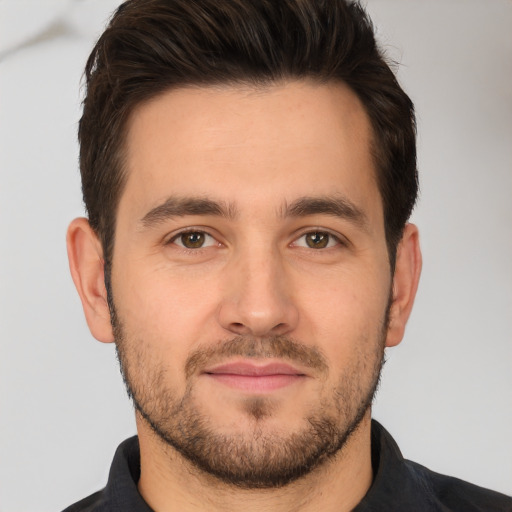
(250, 276)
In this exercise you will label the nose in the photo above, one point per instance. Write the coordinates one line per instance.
(257, 297)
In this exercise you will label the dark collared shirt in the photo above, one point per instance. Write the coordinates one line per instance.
(399, 485)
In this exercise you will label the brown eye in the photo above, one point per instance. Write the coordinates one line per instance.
(317, 240)
(193, 240)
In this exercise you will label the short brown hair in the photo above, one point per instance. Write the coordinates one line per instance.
(151, 46)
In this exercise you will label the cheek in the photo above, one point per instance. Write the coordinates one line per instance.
(345, 312)
(168, 314)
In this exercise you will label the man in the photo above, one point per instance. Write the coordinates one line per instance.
(249, 168)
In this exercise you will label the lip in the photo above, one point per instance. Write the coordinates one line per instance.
(255, 378)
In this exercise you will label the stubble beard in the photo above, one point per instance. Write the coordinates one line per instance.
(253, 458)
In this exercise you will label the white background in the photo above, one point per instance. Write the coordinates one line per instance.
(446, 392)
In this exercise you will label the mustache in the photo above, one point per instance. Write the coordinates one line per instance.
(280, 347)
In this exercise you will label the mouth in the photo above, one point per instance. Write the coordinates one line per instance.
(255, 378)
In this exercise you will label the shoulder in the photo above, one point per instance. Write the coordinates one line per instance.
(121, 493)
(447, 493)
(400, 485)
(92, 503)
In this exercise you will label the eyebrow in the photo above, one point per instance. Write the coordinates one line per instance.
(182, 206)
(336, 206)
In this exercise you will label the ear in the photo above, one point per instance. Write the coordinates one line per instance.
(86, 263)
(405, 284)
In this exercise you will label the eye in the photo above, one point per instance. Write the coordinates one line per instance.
(193, 240)
(317, 240)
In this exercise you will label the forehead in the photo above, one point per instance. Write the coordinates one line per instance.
(281, 141)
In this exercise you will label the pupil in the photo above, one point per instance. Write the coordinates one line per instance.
(192, 240)
(317, 240)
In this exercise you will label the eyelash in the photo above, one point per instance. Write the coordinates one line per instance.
(339, 241)
(190, 232)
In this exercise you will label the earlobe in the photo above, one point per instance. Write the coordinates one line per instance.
(405, 284)
(86, 263)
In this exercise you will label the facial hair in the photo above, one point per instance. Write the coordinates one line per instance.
(255, 458)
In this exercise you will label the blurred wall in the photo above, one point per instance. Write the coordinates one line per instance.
(446, 391)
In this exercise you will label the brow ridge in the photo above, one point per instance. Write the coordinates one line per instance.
(337, 206)
(182, 206)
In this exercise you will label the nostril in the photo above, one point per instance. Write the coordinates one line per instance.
(238, 327)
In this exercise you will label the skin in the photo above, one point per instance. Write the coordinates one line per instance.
(256, 152)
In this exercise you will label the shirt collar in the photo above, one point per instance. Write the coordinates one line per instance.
(396, 484)
(121, 493)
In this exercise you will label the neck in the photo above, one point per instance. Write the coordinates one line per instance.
(170, 483)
